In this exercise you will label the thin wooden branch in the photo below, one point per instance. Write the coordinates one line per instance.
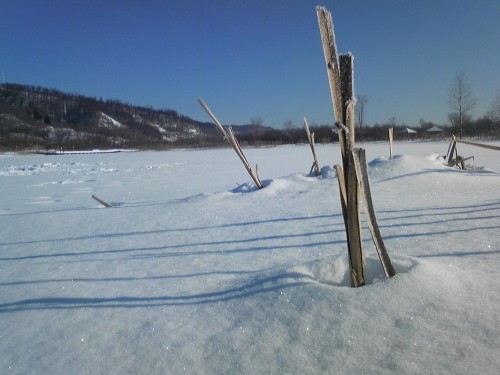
(310, 138)
(359, 156)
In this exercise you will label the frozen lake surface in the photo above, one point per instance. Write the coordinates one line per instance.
(195, 271)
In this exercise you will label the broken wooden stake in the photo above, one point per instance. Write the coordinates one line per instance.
(359, 155)
(331, 58)
(105, 204)
(310, 139)
(391, 139)
(340, 79)
(455, 160)
(228, 136)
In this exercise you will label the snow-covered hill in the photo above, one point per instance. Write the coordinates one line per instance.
(32, 117)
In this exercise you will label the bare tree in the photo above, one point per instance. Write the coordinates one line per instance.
(393, 121)
(360, 112)
(256, 125)
(495, 107)
(288, 125)
(460, 99)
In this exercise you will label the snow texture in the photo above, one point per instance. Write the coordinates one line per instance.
(194, 270)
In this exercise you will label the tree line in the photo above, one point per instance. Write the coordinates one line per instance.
(37, 117)
(461, 102)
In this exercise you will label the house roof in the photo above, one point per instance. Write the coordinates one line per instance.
(408, 131)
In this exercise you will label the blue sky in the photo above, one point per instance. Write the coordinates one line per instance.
(258, 58)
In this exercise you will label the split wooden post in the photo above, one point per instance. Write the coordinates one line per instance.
(353, 174)
(310, 139)
(340, 79)
(228, 136)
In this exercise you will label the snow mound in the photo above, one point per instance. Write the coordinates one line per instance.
(328, 172)
(399, 166)
(404, 165)
(334, 271)
(277, 185)
(248, 187)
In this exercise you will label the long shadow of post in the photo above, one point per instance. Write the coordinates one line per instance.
(256, 286)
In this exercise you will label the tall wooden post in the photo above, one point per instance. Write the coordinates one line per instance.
(353, 175)
(391, 138)
(340, 78)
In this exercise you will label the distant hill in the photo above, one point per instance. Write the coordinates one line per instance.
(38, 117)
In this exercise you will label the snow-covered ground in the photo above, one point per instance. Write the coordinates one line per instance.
(194, 271)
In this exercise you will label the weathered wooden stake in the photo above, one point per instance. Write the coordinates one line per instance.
(342, 187)
(354, 226)
(352, 175)
(359, 155)
(105, 204)
(391, 138)
(331, 58)
(452, 150)
(310, 139)
(228, 136)
(340, 79)
(348, 98)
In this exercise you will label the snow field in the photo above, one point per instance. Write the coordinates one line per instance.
(193, 270)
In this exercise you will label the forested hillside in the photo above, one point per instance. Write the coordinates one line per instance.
(37, 117)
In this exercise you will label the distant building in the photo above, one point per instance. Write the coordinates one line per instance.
(435, 132)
